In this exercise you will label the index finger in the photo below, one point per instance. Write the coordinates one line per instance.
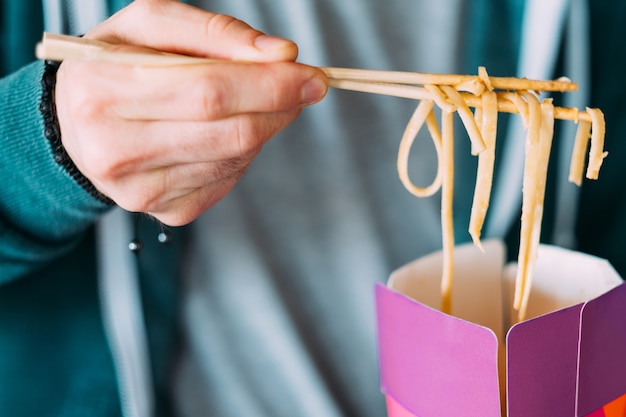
(209, 91)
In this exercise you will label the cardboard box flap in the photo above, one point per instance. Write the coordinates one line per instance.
(542, 358)
(434, 364)
(602, 371)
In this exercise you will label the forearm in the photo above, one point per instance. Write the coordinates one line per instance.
(43, 211)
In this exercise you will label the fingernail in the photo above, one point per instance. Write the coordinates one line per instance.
(313, 91)
(265, 42)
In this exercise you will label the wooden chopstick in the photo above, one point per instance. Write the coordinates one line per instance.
(393, 83)
(63, 47)
(403, 77)
(60, 47)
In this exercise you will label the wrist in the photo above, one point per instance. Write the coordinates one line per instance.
(52, 132)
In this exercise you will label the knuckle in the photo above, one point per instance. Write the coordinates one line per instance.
(87, 113)
(143, 199)
(213, 99)
(249, 136)
(220, 23)
(253, 132)
(84, 106)
(81, 92)
(100, 162)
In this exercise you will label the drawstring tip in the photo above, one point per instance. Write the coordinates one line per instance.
(135, 246)
(164, 237)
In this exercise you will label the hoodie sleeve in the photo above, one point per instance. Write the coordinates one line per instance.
(43, 211)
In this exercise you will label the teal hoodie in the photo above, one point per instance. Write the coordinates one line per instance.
(54, 353)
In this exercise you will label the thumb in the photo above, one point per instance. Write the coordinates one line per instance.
(176, 27)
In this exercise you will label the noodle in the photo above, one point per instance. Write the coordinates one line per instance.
(537, 192)
(596, 153)
(421, 115)
(486, 159)
(478, 144)
(481, 126)
(529, 199)
(583, 134)
(447, 224)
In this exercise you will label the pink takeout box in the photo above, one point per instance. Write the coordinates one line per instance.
(568, 359)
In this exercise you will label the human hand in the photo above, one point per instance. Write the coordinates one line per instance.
(172, 141)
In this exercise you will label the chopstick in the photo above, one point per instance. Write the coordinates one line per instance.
(392, 83)
(57, 47)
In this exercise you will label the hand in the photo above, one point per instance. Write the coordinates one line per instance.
(172, 141)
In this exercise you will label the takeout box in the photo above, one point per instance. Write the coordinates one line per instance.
(567, 359)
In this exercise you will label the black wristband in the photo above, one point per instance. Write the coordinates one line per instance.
(52, 132)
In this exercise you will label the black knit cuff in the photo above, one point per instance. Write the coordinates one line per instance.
(52, 132)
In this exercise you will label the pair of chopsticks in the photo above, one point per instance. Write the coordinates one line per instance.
(393, 83)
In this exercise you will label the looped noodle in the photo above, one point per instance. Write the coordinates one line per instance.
(423, 113)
